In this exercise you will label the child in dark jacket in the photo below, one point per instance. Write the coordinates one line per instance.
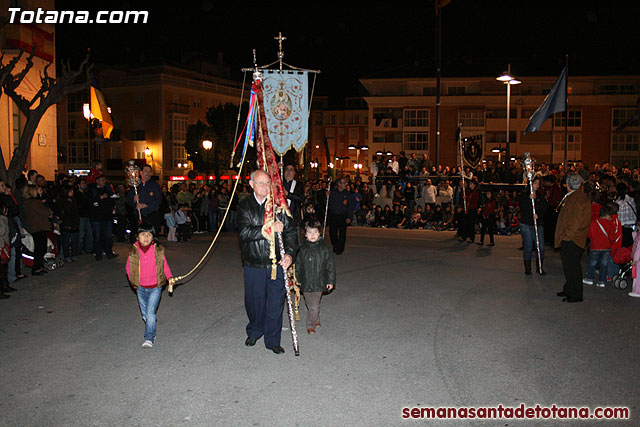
(316, 272)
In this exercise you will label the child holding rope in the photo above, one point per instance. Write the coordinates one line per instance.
(148, 272)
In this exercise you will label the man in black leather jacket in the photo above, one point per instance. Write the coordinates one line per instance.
(263, 297)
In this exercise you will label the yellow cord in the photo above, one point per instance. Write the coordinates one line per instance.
(176, 279)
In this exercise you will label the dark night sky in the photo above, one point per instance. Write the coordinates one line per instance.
(368, 39)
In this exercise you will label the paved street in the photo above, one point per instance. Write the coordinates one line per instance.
(417, 319)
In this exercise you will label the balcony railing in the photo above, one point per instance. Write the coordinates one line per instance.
(178, 108)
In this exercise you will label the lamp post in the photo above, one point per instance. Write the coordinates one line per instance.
(498, 150)
(149, 153)
(314, 165)
(207, 145)
(358, 148)
(508, 79)
(86, 112)
(342, 159)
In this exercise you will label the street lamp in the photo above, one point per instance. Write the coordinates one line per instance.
(508, 79)
(149, 153)
(358, 148)
(86, 112)
(342, 159)
(314, 165)
(207, 144)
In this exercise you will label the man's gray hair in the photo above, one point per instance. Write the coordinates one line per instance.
(574, 181)
(253, 174)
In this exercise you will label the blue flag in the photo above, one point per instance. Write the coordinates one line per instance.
(286, 106)
(555, 102)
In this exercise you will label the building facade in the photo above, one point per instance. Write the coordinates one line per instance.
(402, 116)
(152, 108)
(341, 128)
(43, 153)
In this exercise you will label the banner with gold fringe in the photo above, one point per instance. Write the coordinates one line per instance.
(286, 108)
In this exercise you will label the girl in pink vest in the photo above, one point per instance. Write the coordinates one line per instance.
(148, 272)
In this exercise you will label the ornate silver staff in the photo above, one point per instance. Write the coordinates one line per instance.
(133, 177)
(326, 208)
(287, 287)
(464, 197)
(529, 173)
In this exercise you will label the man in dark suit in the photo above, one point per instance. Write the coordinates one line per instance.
(341, 208)
(294, 192)
(147, 200)
(263, 296)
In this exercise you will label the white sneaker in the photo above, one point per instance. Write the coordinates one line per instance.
(147, 344)
(633, 294)
(600, 285)
(587, 281)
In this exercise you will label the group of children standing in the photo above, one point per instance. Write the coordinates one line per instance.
(178, 223)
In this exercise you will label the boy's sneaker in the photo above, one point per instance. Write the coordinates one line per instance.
(587, 281)
(147, 344)
(600, 284)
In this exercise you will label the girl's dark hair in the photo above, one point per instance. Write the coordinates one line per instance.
(145, 227)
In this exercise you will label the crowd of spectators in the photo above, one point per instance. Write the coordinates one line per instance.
(412, 193)
(401, 192)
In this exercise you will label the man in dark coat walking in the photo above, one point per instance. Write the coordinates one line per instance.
(263, 295)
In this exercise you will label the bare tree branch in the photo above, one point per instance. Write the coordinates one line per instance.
(52, 91)
(5, 70)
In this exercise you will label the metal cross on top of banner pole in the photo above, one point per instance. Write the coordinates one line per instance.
(280, 39)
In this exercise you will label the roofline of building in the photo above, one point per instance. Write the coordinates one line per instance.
(479, 78)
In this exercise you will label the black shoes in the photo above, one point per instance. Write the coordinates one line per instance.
(561, 294)
(112, 255)
(527, 267)
(491, 244)
(250, 342)
(569, 299)
(99, 257)
(40, 272)
(277, 349)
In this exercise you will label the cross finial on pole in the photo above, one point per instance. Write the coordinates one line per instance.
(280, 39)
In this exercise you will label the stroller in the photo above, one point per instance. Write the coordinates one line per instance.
(623, 279)
(51, 259)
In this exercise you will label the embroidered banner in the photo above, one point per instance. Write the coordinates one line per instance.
(286, 104)
(472, 148)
